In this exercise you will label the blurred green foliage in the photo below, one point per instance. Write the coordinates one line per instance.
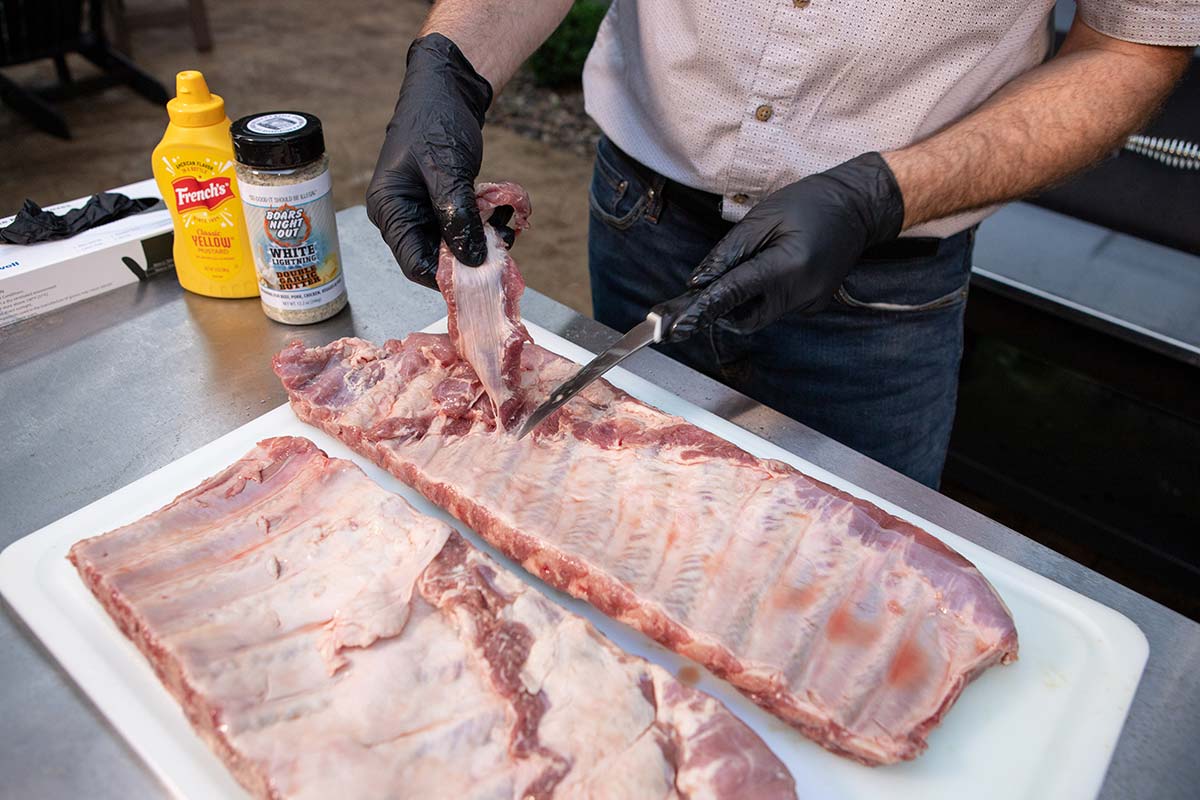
(559, 61)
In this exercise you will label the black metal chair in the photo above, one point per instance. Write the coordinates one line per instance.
(35, 29)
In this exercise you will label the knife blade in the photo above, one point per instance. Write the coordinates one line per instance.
(650, 331)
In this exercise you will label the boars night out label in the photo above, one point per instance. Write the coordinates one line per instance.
(294, 242)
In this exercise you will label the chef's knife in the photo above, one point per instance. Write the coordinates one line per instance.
(652, 330)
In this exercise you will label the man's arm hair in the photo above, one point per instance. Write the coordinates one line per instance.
(1039, 129)
(496, 36)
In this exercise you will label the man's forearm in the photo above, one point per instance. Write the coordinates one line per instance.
(1044, 126)
(496, 36)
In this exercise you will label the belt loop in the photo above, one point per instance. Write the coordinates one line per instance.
(654, 197)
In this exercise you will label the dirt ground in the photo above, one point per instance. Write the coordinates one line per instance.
(343, 65)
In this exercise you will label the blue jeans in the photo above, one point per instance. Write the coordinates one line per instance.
(877, 370)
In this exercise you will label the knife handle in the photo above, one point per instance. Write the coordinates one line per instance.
(668, 313)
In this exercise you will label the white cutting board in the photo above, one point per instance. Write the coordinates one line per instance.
(1044, 727)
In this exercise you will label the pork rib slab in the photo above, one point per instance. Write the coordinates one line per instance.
(855, 626)
(329, 641)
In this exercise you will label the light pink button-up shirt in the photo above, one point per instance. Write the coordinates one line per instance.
(741, 97)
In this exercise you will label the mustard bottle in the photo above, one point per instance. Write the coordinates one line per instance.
(194, 169)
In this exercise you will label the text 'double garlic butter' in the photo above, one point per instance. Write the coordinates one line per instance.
(283, 174)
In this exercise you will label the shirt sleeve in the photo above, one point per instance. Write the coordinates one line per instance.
(1164, 22)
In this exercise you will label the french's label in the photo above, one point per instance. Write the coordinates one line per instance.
(209, 225)
(191, 193)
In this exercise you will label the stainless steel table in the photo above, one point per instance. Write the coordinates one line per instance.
(108, 390)
(1128, 288)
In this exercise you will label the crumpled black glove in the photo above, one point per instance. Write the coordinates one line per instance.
(34, 224)
(423, 186)
(792, 250)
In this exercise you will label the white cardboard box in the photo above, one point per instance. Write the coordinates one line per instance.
(38, 278)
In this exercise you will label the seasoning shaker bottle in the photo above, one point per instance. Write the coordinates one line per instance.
(283, 174)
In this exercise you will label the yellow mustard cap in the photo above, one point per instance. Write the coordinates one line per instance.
(193, 105)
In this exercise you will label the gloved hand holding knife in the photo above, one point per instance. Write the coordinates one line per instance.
(792, 250)
(789, 253)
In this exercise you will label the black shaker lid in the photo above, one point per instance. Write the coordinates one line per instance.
(277, 139)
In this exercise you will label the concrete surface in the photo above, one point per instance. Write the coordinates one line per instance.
(342, 62)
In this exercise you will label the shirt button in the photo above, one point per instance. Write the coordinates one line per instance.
(801, 3)
(740, 199)
(763, 112)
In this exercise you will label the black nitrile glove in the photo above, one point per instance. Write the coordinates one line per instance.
(33, 224)
(423, 187)
(792, 250)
